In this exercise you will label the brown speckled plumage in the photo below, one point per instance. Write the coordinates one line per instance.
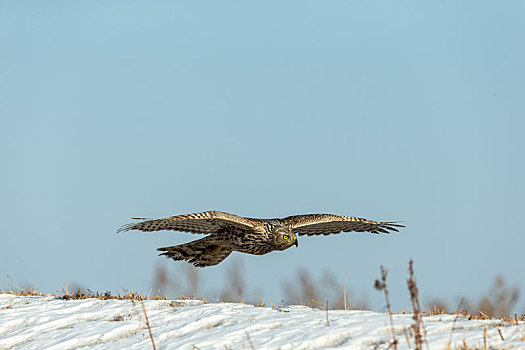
(229, 232)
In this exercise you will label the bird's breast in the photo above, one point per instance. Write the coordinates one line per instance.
(256, 243)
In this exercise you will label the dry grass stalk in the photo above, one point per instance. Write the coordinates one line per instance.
(406, 337)
(485, 338)
(29, 291)
(418, 315)
(149, 328)
(147, 320)
(381, 285)
(454, 323)
(500, 335)
(484, 315)
(344, 292)
(65, 291)
(465, 344)
(78, 294)
(522, 332)
(327, 322)
(261, 302)
(249, 340)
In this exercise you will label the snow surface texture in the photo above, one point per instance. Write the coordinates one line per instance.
(50, 323)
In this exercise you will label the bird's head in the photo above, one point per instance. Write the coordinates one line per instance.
(285, 238)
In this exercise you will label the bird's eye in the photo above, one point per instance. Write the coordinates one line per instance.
(286, 237)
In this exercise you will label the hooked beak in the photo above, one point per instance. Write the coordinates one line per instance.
(296, 243)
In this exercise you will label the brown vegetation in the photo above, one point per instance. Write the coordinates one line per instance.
(381, 285)
(499, 302)
(305, 289)
(418, 325)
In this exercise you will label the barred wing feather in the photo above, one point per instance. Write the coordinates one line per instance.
(326, 224)
(207, 222)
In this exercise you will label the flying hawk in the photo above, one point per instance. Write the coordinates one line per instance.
(229, 232)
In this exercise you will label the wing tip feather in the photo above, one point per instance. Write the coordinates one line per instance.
(390, 226)
(125, 228)
(131, 226)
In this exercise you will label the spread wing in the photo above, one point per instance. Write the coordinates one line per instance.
(325, 224)
(207, 222)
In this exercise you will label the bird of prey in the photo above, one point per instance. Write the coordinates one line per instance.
(229, 232)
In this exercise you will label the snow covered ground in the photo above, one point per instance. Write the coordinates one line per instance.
(50, 323)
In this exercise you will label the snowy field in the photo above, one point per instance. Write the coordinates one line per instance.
(51, 323)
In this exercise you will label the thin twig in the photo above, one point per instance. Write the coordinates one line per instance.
(382, 286)
(406, 336)
(249, 340)
(149, 328)
(500, 335)
(418, 317)
(454, 323)
(327, 322)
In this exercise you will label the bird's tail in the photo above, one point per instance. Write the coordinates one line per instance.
(201, 253)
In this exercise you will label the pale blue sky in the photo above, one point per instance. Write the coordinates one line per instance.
(388, 110)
